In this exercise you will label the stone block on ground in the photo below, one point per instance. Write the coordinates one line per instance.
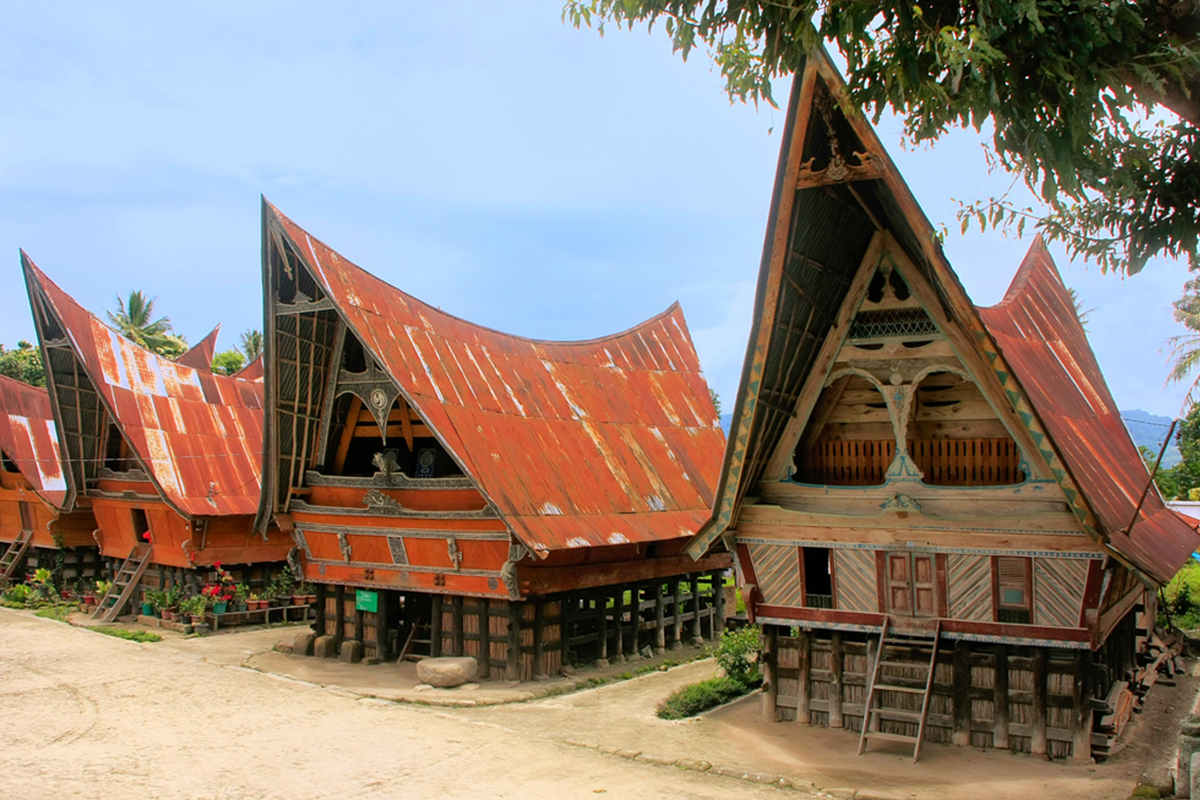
(323, 647)
(303, 644)
(447, 670)
(352, 651)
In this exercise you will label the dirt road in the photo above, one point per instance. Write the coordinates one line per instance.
(86, 715)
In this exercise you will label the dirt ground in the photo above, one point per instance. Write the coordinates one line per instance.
(92, 716)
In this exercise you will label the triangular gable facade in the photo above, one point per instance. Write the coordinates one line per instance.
(829, 323)
(196, 435)
(29, 439)
(613, 441)
(200, 357)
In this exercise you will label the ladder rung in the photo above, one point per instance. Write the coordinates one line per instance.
(887, 687)
(890, 737)
(906, 664)
(898, 714)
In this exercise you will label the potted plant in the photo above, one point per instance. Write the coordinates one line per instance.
(218, 595)
(241, 594)
(148, 602)
(194, 607)
(102, 588)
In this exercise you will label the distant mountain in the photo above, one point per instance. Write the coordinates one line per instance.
(1148, 430)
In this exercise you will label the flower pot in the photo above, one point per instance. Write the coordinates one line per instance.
(197, 619)
(219, 608)
(261, 605)
(147, 609)
(169, 615)
(89, 599)
(311, 598)
(242, 606)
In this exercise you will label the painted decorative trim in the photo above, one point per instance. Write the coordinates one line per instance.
(483, 573)
(399, 511)
(307, 527)
(398, 480)
(912, 547)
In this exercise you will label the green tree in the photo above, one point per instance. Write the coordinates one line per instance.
(252, 344)
(1068, 87)
(1185, 348)
(134, 319)
(1180, 480)
(228, 362)
(23, 363)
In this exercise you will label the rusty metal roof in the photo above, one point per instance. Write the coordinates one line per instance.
(197, 435)
(30, 440)
(1037, 330)
(201, 356)
(576, 444)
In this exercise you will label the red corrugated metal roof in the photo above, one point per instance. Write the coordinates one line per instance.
(577, 444)
(29, 439)
(1040, 336)
(199, 435)
(201, 355)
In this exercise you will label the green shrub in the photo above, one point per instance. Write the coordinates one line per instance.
(691, 700)
(737, 653)
(20, 594)
(133, 636)
(1180, 606)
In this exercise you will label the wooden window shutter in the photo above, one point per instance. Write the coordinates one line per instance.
(1012, 581)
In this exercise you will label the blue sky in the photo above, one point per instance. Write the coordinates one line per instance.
(484, 157)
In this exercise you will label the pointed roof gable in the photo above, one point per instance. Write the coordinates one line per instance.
(201, 356)
(838, 197)
(1039, 334)
(575, 444)
(197, 435)
(30, 440)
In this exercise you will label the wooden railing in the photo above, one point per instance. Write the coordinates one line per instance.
(944, 462)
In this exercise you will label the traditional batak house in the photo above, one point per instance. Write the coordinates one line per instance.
(34, 530)
(168, 455)
(458, 491)
(953, 481)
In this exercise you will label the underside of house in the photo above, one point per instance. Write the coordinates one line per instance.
(936, 510)
(458, 491)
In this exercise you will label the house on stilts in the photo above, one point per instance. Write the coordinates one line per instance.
(35, 530)
(936, 509)
(459, 491)
(167, 454)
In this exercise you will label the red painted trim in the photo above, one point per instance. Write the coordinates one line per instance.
(1017, 631)
(747, 567)
(943, 601)
(1091, 590)
(881, 566)
(833, 578)
(822, 615)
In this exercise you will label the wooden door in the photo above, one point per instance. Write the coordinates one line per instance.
(911, 584)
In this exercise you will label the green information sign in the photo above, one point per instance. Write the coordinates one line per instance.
(366, 601)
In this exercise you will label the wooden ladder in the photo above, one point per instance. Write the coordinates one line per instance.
(421, 633)
(900, 651)
(12, 554)
(123, 585)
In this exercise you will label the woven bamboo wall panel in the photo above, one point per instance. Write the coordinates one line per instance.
(1058, 591)
(778, 571)
(969, 590)
(857, 586)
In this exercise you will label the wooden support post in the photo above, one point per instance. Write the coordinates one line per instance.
(718, 587)
(635, 619)
(837, 665)
(803, 712)
(770, 662)
(618, 623)
(694, 584)
(677, 610)
(456, 611)
(961, 732)
(660, 627)
(602, 627)
(1038, 743)
(435, 626)
(539, 636)
(514, 640)
(339, 598)
(1000, 700)
(485, 639)
(382, 636)
(1081, 719)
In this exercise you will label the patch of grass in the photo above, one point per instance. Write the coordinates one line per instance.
(597, 681)
(54, 612)
(692, 700)
(132, 636)
(645, 669)
(624, 676)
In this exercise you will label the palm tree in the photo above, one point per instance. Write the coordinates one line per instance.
(1185, 349)
(134, 319)
(252, 344)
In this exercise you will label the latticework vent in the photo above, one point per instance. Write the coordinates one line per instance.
(892, 322)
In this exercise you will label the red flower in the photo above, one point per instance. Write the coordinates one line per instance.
(217, 564)
(146, 536)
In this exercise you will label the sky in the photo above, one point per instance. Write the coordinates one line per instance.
(485, 157)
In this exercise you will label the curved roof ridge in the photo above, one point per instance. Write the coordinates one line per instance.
(636, 328)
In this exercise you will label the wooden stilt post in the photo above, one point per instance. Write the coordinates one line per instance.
(770, 660)
(435, 626)
(660, 628)
(457, 613)
(602, 626)
(677, 609)
(339, 634)
(635, 619)
(718, 587)
(803, 710)
(836, 680)
(319, 622)
(1037, 744)
(618, 623)
(382, 636)
(539, 636)
(1000, 700)
(1081, 719)
(514, 640)
(961, 732)
(694, 584)
(485, 639)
